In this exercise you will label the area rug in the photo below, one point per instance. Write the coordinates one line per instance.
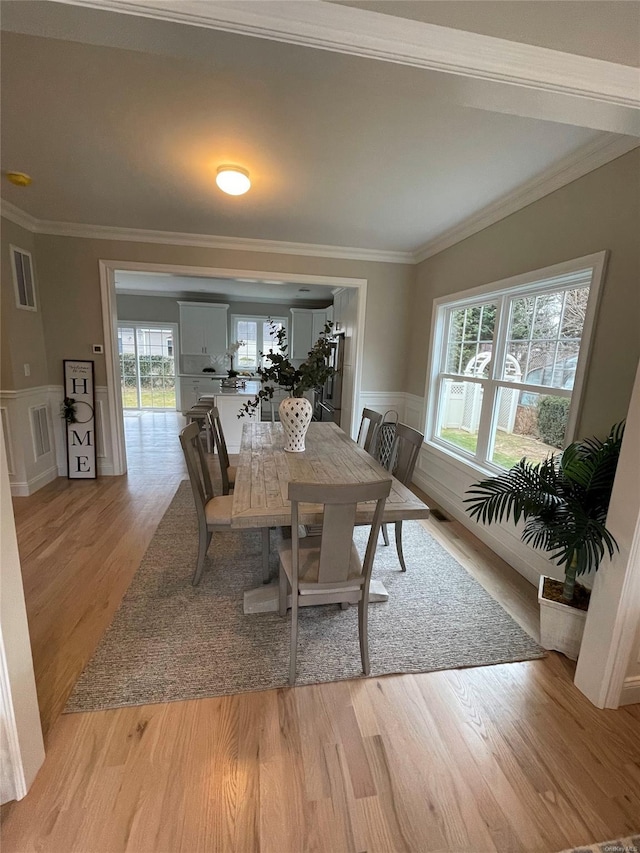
(172, 641)
(621, 845)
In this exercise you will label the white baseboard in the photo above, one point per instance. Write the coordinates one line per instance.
(630, 691)
(23, 490)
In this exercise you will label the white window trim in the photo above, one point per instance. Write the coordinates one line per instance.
(507, 288)
(13, 249)
(251, 318)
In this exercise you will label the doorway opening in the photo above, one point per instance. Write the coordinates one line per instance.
(133, 289)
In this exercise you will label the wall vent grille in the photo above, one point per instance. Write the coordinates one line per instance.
(40, 430)
(23, 278)
(7, 439)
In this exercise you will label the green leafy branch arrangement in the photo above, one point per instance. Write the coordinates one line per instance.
(68, 410)
(312, 373)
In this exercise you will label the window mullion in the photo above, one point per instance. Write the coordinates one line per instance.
(137, 363)
(488, 410)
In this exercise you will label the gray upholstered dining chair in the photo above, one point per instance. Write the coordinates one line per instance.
(368, 431)
(404, 455)
(326, 569)
(227, 472)
(214, 512)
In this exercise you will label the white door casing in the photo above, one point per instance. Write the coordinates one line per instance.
(22, 746)
(107, 269)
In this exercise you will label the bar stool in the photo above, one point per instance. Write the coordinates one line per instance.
(198, 414)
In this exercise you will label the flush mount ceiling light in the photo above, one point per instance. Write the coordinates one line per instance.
(20, 179)
(233, 180)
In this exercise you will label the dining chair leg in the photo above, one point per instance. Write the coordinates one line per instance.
(363, 616)
(385, 534)
(283, 589)
(204, 540)
(403, 565)
(265, 555)
(294, 636)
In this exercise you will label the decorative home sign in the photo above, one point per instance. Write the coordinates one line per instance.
(78, 410)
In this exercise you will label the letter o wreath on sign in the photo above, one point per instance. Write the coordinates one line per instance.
(81, 435)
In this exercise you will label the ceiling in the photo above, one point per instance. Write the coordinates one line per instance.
(230, 289)
(136, 115)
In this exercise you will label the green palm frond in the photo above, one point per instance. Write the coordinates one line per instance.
(562, 500)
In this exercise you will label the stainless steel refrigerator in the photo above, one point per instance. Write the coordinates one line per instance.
(328, 406)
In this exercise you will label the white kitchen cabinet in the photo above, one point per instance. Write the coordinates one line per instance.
(301, 331)
(203, 328)
(307, 324)
(228, 406)
(192, 388)
(319, 322)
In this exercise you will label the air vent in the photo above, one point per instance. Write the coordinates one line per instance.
(40, 430)
(7, 439)
(23, 279)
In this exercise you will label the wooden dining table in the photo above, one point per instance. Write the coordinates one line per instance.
(265, 470)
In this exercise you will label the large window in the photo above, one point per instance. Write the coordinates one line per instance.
(507, 365)
(257, 336)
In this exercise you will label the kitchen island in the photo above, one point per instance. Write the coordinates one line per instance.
(228, 402)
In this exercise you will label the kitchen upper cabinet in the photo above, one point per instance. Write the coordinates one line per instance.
(301, 332)
(307, 325)
(203, 328)
(319, 321)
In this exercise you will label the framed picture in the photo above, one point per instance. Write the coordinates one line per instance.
(79, 413)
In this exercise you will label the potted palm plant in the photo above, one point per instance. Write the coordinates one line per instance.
(295, 410)
(563, 502)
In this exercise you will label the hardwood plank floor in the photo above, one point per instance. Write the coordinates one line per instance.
(505, 758)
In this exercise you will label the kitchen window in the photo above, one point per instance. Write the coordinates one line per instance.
(508, 362)
(257, 335)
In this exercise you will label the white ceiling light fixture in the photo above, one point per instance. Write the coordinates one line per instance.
(233, 180)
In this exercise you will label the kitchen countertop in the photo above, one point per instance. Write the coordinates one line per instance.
(250, 390)
(202, 375)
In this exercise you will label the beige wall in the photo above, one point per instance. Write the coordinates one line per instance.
(165, 309)
(22, 331)
(148, 309)
(73, 317)
(599, 211)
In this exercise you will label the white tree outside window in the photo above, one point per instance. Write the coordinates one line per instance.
(505, 363)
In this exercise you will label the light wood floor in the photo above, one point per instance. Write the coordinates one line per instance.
(505, 758)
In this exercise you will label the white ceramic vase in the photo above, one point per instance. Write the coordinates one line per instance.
(295, 417)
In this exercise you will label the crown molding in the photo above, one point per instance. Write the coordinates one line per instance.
(18, 217)
(605, 148)
(586, 159)
(375, 35)
(204, 241)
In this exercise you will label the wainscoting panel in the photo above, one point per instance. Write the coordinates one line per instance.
(447, 481)
(28, 420)
(34, 435)
(383, 401)
(414, 415)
